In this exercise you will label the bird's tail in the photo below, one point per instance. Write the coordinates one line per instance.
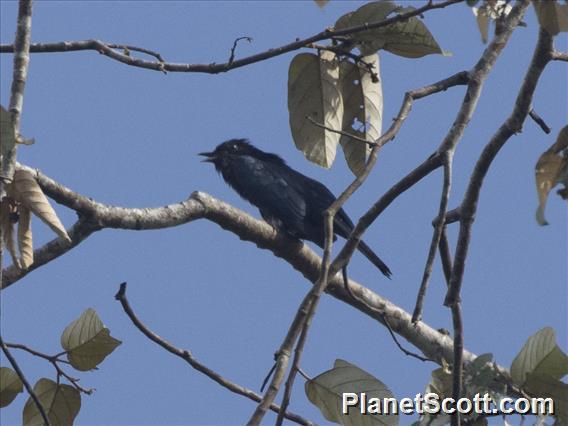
(375, 260)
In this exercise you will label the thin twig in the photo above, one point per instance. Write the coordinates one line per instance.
(341, 132)
(235, 43)
(214, 68)
(445, 255)
(358, 59)
(538, 120)
(53, 360)
(22, 377)
(439, 224)
(430, 164)
(191, 360)
(303, 374)
(346, 283)
(457, 371)
(404, 350)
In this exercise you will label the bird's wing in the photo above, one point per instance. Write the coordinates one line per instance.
(320, 199)
(264, 185)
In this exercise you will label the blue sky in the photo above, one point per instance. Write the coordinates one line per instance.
(130, 137)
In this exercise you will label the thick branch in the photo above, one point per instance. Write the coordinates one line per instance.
(203, 206)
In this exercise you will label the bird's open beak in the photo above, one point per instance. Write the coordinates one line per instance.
(210, 157)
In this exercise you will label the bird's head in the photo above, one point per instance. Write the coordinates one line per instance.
(224, 154)
(227, 150)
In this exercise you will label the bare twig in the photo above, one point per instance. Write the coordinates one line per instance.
(457, 371)
(235, 43)
(432, 163)
(445, 255)
(214, 68)
(439, 224)
(538, 120)
(341, 132)
(22, 377)
(404, 350)
(53, 360)
(358, 59)
(191, 360)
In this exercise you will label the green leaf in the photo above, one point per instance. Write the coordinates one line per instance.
(87, 341)
(409, 38)
(544, 385)
(7, 132)
(363, 104)
(326, 392)
(313, 91)
(479, 363)
(551, 170)
(10, 386)
(552, 16)
(366, 14)
(540, 354)
(61, 403)
(441, 383)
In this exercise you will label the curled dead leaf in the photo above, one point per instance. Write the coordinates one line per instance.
(28, 192)
(551, 170)
(25, 242)
(7, 210)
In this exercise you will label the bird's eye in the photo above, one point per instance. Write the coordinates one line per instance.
(235, 147)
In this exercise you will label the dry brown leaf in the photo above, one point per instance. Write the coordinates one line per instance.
(321, 3)
(551, 169)
(25, 242)
(8, 230)
(30, 195)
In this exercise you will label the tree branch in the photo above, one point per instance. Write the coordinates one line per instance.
(214, 68)
(203, 206)
(439, 224)
(559, 56)
(306, 311)
(513, 124)
(22, 377)
(19, 77)
(191, 360)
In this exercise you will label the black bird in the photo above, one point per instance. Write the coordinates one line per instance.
(287, 200)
